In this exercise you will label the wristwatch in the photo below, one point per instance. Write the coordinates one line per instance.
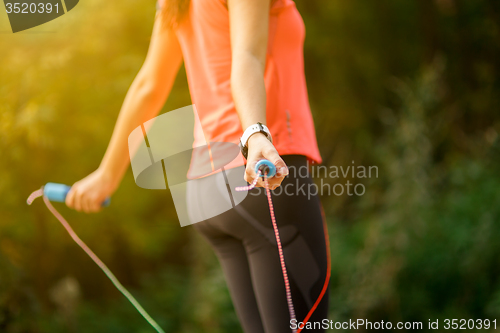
(251, 130)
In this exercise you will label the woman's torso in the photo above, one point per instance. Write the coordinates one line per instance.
(205, 42)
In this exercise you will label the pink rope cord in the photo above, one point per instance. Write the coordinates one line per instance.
(291, 310)
(34, 195)
(251, 186)
(95, 258)
(75, 236)
(281, 255)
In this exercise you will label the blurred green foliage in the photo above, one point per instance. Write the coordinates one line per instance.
(412, 87)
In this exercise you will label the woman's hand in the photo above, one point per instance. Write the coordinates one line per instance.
(89, 193)
(259, 147)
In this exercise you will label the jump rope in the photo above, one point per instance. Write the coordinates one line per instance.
(264, 169)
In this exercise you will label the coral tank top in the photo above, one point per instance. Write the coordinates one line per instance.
(205, 42)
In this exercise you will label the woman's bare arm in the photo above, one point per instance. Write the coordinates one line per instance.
(143, 101)
(249, 25)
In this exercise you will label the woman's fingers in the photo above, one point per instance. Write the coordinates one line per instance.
(89, 193)
(89, 202)
(249, 173)
(273, 182)
(78, 200)
(85, 204)
(261, 148)
(70, 197)
(271, 154)
(95, 205)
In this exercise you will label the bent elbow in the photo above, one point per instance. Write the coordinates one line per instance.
(148, 88)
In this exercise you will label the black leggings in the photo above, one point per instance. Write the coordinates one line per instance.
(244, 241)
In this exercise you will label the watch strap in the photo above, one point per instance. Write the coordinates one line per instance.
(251, 130)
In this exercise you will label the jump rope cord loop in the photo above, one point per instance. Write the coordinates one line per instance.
(95, 258)
(34, 195)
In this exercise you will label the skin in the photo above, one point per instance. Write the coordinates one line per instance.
(151, 87)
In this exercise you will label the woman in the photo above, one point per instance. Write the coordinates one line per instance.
(244, 62)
